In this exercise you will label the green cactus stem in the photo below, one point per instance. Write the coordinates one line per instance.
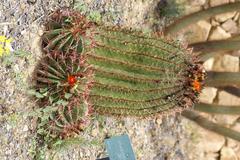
(140, 75)
(231, 89)
(203, 14)
(57, 76)
(65, 31)
(220, 79)
(214, 127)
(217, 109)
(69, 120)
(211, 48)
(235, 38)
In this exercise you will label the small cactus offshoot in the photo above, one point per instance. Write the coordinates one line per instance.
(70, 119)
(66, 31)
(58, 76)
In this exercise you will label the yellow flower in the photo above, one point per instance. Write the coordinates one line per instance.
(5, 45)
(2, 38)
(1, 50)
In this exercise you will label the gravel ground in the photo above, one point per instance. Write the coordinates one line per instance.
(152, 139)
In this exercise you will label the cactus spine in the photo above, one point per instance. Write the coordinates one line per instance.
(140, 75)
(117, 71)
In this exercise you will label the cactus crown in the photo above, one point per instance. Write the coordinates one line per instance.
(66, 31)
(110, 70)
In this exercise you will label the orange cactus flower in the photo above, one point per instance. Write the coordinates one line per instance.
(196, 85)
(71, 80)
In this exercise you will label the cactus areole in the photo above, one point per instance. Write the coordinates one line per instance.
(116, 71)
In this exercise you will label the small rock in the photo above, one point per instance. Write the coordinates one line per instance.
(192, 9)
(214, 23)
(197, 2)
(227, 99)
(236, 127)
(226, 120)
(230, 26)
(208, 64)
(159, 121)
(210, 141)
(228, 154)
(225, 16)
(22, 6)
(31, 1)
(235, 53)
(95, 132)
(25, 128)
(236, 17)
(8, 127)
(235, 145)
(198, 32)
(208, 94)
(40, 32)
(219, 33)
(212, 156)
(226, 63)
(130, 132)
(218, 2)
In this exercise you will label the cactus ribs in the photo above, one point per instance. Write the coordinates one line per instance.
(111, 70)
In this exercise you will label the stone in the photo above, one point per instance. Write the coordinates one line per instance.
(218, 2)
(236, 17)
(210, 142)
(25, 128)
(208, 64)
(219, 33)
(226, 120)
(211, 156)
(197, 2)
(192, 9)
(230, 26)
(226, 63)
(235, 145)
(208, 94)
(159, 121)
(95, 132)
(9, 127)
(31, 1)
(238, 153)
(225, 16)
(198, 32)
(235, 53)
(214, 23)
(227, 99)
(228, 154)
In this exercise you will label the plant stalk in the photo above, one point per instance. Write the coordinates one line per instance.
(220, 79)
(232, 90)
(209, 49)
(204, 14)
(218, 109)
(214, 127)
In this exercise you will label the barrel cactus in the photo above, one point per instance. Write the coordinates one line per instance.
(69, 119)
(140, 75)
(115, 71)
(65, 31)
